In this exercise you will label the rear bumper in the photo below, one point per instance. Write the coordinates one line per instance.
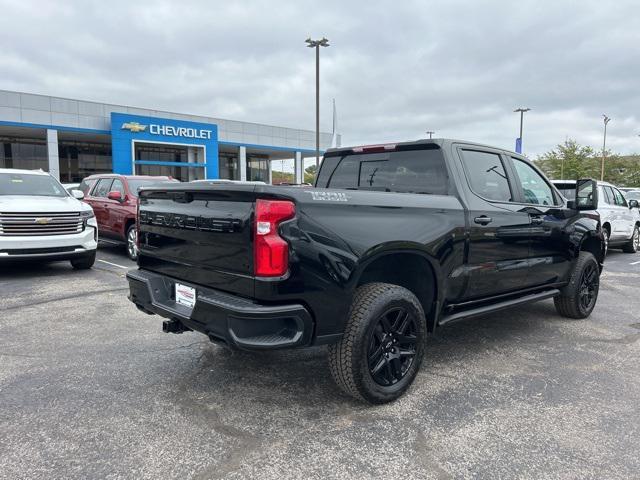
(233, 320)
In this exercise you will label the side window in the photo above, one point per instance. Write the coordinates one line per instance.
(608, 195)
(346, 173)
(117, 187)
(619, 198)
(535, 188)
(102, 188)
(327, 168)
(486, 175)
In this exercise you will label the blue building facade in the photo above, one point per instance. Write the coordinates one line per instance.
(75, 138)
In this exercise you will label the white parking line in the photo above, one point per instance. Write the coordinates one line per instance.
(634, 263)
(114, 264)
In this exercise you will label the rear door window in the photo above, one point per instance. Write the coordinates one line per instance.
(608, 195)
(486, 175)
(413, 169)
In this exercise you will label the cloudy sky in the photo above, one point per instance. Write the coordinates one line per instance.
(396, 69)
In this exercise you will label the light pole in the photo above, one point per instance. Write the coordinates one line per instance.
(604, 145)
(323, 42)
(519, 140)
(430, 133)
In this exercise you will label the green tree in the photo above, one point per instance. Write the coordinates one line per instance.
(570, 160)
(310, 174)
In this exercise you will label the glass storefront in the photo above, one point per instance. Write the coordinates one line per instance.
(161, 153)
(184, 174)
(26, 153)
(229, 166)
(148, 152)
(258, 168)
(81, 159)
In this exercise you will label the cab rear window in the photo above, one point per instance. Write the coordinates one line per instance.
(414, 169)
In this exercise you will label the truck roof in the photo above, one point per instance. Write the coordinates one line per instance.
(23, 172)
(441, 142)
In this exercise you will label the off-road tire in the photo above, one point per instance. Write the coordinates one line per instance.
(348, 359)
(634, 242)
(85, 262)
(568, 303)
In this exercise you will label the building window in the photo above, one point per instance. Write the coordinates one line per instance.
(81, 159)
(229, 166)
(26, 153)
(258, 168)
(160, 153)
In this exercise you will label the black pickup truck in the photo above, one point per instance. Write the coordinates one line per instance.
(393, 242)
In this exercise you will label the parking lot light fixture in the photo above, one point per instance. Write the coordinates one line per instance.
(430, 133)
(606, 120)
(519, 141)
(323, 42)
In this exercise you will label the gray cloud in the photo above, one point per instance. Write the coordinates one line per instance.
(396, 69)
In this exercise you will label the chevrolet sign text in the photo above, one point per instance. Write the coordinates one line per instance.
(170, 131)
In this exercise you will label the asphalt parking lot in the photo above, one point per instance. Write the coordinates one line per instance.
(92, 388)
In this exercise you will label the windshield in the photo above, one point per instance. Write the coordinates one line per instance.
(30, 184)
(635, 195)
(135, 184)
(568, 190)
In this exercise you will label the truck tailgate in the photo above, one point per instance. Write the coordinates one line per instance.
(201, 234)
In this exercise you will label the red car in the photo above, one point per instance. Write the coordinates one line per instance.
(114, 198)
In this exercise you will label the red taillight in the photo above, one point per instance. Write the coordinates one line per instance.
(271, 252)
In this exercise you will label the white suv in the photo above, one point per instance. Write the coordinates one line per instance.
(620, 218)
(39, 219)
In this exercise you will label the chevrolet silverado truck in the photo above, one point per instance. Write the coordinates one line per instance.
(392, 243)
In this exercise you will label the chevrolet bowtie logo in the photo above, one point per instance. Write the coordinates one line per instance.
(42, 220)
(134, 127)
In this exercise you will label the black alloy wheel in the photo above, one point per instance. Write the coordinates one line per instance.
(589, 284)
(392, 346)
(383, 345)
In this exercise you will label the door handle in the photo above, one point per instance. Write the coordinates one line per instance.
(483, 220)
(537, 220)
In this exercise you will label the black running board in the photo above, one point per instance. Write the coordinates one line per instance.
(474, 312)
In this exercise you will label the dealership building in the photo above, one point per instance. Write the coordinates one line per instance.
(74, 138)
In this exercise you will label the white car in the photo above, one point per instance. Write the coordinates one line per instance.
(41, 220)
(620, 218)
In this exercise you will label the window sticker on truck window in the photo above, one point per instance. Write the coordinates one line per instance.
(329, 196)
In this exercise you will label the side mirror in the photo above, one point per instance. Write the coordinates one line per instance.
(115, 195)
(586, 195)
(79, 194)
(633, 204)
